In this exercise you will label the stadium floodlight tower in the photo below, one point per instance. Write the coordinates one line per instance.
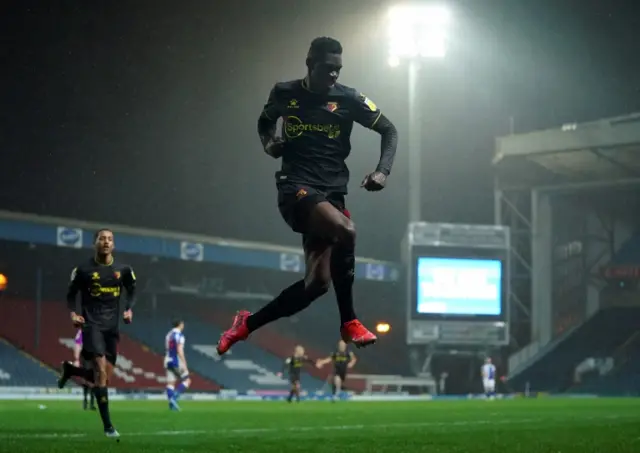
(416, 32)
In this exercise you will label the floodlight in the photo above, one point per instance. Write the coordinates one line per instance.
(394, 61)
(417, 31)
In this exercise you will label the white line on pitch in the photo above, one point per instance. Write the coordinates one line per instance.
(295, 429)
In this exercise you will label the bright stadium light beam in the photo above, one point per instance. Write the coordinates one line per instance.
(416, 32)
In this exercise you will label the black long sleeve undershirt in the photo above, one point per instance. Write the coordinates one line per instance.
(388, 143)
(130, 299)
(266, 129)
(130, 284)
(72, 292)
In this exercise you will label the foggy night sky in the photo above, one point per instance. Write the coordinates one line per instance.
(144, 112)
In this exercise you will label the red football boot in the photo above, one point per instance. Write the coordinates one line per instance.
(354, 332)
(237, 332)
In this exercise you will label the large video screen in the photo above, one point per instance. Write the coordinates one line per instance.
(458, 287)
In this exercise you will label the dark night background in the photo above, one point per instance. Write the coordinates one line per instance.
(144, 112)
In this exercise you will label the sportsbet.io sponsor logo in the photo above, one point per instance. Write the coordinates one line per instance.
(294, 127)
(191, 251)
(69, 237)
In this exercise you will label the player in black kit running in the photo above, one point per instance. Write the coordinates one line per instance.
(343, 360)
(318, 116)
(100, 281)
(294, 365)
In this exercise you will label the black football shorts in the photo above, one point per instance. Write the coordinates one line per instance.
(295, 202)
(100, 342)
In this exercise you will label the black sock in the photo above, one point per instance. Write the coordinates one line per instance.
(84, 373)
(85, 391)
(342, 274)
(333, 389)
(289, 302)
(291, 393)
(93, 399)
(102, 396)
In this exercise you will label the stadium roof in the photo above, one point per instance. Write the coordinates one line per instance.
(600, 153)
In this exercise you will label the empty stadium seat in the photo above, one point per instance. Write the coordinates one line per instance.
(600, 336)
(20, 369)
(137, 367)
(245, 368)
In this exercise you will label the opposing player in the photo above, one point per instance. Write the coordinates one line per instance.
(176, 365)
(294, 366)
(318, 118)
(342, 360)
(488, 372)
(78, 361)
(100, 282)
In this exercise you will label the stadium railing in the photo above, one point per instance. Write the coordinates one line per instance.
(384, 383)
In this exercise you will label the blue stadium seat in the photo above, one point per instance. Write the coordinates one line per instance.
(246, 368)
(629, 252)
(19, 369)
(624, 379)
(600, 336)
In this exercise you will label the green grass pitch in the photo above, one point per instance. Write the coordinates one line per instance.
(525, 426)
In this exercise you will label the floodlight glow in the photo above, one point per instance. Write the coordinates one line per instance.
(417, 31)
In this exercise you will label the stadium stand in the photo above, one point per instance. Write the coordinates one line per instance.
(316, 330)
(137, 366)
(247, 367)
(623, 379)
(600, 336)
(20, 369)
(197, 267)
(570, 197)
(629, 252)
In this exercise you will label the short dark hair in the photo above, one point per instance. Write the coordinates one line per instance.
(322, 46)
(97, 233)
(177, 322)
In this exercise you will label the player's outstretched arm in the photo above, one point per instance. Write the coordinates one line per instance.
(322, 362)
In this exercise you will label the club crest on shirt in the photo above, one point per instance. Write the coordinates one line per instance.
(301, 193)
(117, 275)
(332, 106)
